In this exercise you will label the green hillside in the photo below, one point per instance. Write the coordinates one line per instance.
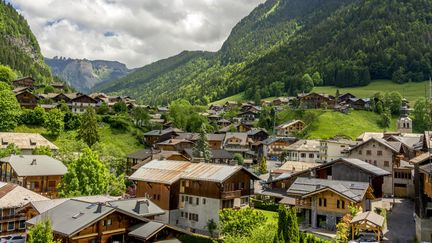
(411, 91)
(346, 43)
(19, 48)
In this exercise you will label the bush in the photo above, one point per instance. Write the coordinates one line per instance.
(268, 206)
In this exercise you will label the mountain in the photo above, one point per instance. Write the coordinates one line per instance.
(83, 74)
(288, 46)
(19, 48)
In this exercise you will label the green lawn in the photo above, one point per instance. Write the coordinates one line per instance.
(272, 217)
(332, 123)
(411, 91)
(236, 97)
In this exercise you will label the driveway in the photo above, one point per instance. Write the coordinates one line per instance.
(400, 222)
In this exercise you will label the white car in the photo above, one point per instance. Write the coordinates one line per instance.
(12, 239)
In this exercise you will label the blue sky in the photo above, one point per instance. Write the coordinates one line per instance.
(135, 32)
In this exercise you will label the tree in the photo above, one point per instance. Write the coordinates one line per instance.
(263, 165)
(120, 107)
(7, 75)
(140, 117)
(71, 121)
(49, 89)
(54, 122)
(10, 109)
(283, 156)
(386, 118)
(10, 149)
(240, 222)
(288, 230)
(211, 226)
(239, 159)
(103, 109)
(307, 83)
(41, 233)
(42, 150)
(422, 115)
(86, 176)
(88, 131)
(317, 80)
(202, 148)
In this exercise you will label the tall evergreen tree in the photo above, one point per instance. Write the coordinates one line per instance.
(88, 131)
(202, 148)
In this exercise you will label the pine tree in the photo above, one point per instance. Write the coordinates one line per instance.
(263, 165)
(88, 131)
(202, 148)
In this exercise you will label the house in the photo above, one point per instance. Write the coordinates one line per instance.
(112, 221)
(175, 145)
(249, 116)
(215, 141)
(236, 142)
(214, 107)
(230, 105)
(423, 194)
(79, 104)
(323, 203)
(218, 156)
(315, 100)
(157, 136)
(304, 150)
(138, 157)
(26, 142)
(245, 126)
(281, 101)
(60, 86)
(26, 99)
(389, 156)
(39, 173)
(190, 136)
(359, 103)
(273, 147)
(290, 128)
(258, 134)
(12, 198)
(28, 82)
(345, 97)
(332, 149)
(291, 167)
(223, 122)
(191, 194)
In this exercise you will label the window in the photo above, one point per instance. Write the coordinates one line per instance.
(204, 201)
(375, 163)
(12, 211)
(186, 215)
(320, 202)
(109, 222)
(340, 204)
(386, 163)
(197, 201)
(182, 198)
(154, 196)
(22, 224)
(11, 226)
(379, 153)
(325, 202)
(311, 156)
(158, 197)
(303, 155)
(360, 152)
(190, 200)
(368, 152)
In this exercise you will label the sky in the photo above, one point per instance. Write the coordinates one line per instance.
(134, 32)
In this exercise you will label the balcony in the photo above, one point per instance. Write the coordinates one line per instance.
(15, 217)
(231, 194)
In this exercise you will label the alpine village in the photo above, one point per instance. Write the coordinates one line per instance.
(311, 122)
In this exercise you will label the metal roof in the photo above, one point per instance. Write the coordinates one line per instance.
(362, 165)
(168, 171)
(35, 165)
(307, 186)
(147, 230)
(138, 206)
(142, 154)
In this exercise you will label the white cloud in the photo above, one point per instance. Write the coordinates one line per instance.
(135, 32)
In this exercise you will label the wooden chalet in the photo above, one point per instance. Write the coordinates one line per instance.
(259, 134)
(27, 99)
(290, 128)
(28, 82)
(80, 103)
(215, 140)
(359, 103)
(315, 100)
(157, 136)
(345, 97)
(175, 145)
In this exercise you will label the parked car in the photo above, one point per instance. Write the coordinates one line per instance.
(13, 239)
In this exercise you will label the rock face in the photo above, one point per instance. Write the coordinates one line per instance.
(84, 74)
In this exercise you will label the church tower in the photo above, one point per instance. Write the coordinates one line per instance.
(404, 123)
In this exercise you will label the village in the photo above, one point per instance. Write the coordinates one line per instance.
(177, 189)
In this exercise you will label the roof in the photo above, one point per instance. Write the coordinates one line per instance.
(289, 123)
(159, 132)
(168, 172)
(369, 217)
(137, 206)
(24, 140)
(421, 158)
(362, 165)
(147, 230)
(14, 196)
(174, 141)
(352, 190)
(427, 168)
(394, 146)
(305, 145)
(215, 137)
(272, 139)
(297, 166)
(215, 153)
(142, 154)
(256, 131)
(35, 165)
(191, 136)
(240, 135)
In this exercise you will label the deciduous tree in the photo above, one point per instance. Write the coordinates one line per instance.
(42, 150)
(41, 233)
(88, 130)
(54, 122)
(10, 109)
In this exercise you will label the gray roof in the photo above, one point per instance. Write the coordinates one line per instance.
(142, 154)
(139, 206)
(147, 230)
(364, 166)
(427, 168)
(350, 189)
(215, 154)
(369, 217)
(305, 145)
(35, 165)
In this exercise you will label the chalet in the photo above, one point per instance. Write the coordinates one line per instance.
(213, 118)
(191, 194)
(423, 195)
(258, 134)
(156, 136)
(175, 145)
(190, 136)
(59, 86)
(218, 156)
(332, 149)
(39, 173)
(26, 99)
(290, 128)
(138, 157)
(281, 101)
(216, 108)
(304, 150)
(315, 100)
(249, 116)
(344, 98)
(223, 123)
(274, 146)
(79, 221)
(291, 167)
(216, 141)
(162, 109)
(324, 202)
(236, 142)
(80, 103)
(359, 103)
(230, 105)
(26, 142)
(245, 126)
(28, 82)
(388, 156)
(12, 198)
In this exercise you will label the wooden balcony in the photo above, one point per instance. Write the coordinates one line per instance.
(303, 203)
(14, 217)
(231, 194)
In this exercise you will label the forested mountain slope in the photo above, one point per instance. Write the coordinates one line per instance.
(19, 48)
(337, 42)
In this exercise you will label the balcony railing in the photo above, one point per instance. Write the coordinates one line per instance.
(303, 203)
(231, 194)
(18, 216)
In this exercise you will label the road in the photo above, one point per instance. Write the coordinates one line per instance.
(401, 225)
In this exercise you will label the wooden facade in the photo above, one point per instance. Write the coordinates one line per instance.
(27, 99)
(12, 222)
(28, 82)
(314, 100)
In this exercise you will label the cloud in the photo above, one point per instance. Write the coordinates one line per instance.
(135, 32)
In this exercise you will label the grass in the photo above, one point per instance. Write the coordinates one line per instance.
(272, 217)
(411, 91)
(236, 97)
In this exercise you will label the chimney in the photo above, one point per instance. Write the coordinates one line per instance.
(99, 208)
(141, 206)
(33, 162)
